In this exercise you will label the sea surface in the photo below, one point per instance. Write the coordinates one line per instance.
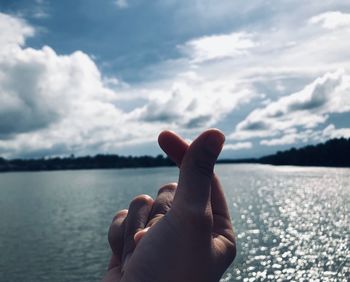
(292, 223)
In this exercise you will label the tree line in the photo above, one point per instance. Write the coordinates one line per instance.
(86, 162)
(333, 153)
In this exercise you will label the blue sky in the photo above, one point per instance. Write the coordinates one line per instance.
(88, 77)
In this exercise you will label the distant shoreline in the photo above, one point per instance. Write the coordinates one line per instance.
(333, 153)
(221, 162)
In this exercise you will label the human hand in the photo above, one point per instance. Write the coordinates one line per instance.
(193, 238)
(125, 224)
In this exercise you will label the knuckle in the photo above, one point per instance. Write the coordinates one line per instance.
(140, 201)
(171, 187)
(120, 214)
(155, 219)
(115, 234)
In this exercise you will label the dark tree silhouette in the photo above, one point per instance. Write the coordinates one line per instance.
(334, 153)
(86, 162)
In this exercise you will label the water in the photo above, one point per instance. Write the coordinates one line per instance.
(291, 223)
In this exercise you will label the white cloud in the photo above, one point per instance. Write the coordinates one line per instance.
(14, 31)
(63, 103)
(331, 132)
(332, 20)
(305, 109)
(54, 104)
(238, 146)
(121, 3)
(193, 103)
(218, 46)
(284, 140)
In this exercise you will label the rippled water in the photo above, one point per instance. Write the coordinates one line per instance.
(291, 223)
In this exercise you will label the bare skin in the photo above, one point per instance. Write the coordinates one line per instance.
(185, 234)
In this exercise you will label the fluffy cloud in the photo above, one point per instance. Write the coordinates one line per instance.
(39, 88)
(218, 46)
(14, 31)
(238, 146)
(332, 20)
(194, 103)
(332, 132)
(305, 110)
(57, 104)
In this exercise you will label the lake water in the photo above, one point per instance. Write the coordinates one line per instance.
(292, 223)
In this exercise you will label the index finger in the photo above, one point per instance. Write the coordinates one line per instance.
(175, 147)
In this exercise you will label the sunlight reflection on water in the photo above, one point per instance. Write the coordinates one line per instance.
(292, 223)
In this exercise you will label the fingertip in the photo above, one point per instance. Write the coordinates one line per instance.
(215, 133)
(170, 187)
(197, 169)
(142, 199)
(121, 213)
(139, 235)
(165, 135)
(214, 141)
(173, 145)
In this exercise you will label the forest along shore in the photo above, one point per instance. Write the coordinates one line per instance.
(333, 153)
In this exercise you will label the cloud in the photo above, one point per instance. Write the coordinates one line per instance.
(305, 109)
(51, 102)
(216, 47)
(193, 103)
(332, 132)
(238, 146)
(57, 104)
(332, 20)
(54, 104)
(121, 3)
(14, 31)
(287, 139)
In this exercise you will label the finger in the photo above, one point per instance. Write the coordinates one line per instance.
(175, 147)
(139, 235)
(113, 262)
(113, 275)
(196, 171)
(116, 237)
(221, 217)
(218, 198)
(136, 220)
(162, 204)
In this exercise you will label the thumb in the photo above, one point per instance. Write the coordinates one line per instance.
(197, 170)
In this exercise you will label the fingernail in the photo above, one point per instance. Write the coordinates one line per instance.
(214, 142)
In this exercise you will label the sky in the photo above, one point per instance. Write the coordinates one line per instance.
(86, 77)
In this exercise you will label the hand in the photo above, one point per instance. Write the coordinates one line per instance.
(125, 224)
(193, 238)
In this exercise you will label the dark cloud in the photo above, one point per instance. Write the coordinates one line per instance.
(24, 105)
(198, 121)
(256, 125)
(318, 98)
(156, 113)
